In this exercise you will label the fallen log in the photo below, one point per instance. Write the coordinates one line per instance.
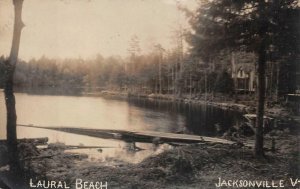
(50, 156)
(72, 147)
(36, 157)
(36, 141)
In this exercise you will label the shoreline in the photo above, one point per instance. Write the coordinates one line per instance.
(246, 103)
(190, 166)
(218, 101)
(226, 105)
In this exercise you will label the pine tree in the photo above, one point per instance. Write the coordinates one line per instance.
(259, 26)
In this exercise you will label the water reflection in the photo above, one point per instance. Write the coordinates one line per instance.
(100, 113)
(192, 119)
(92, 112)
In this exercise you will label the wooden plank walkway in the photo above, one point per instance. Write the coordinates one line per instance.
(173, 137)
(138, 136)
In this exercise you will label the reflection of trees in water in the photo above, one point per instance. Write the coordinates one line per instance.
(154, 116)
(195, 119)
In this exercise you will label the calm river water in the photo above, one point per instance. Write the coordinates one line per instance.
(98, 112)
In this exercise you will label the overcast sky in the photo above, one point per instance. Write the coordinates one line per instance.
(84, 28)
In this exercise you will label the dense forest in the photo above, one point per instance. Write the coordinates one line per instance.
(159, 73)
(222, 58)
(156, 72)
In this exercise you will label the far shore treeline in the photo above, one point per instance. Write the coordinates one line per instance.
(149, 73)
(159, 73)
(232, 48)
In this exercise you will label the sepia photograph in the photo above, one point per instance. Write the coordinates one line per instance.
(144, 94)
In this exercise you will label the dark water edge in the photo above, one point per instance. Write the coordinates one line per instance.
(199, 119)
(45, 90)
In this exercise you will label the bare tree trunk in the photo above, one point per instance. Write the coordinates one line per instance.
(190, 85)
(179, 78)
(259, 138)
(11, 125)
(277, 81)
(159, 72)
(205, 83)
(234, 72)
(270, 85)
(173, 81)
(168, 80)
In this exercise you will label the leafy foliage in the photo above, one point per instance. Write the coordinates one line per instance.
(241, 25)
